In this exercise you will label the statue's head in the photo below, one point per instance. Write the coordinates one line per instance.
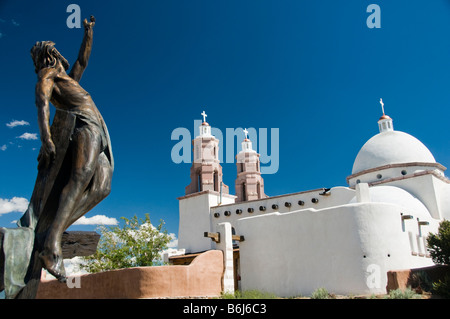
(45, 55)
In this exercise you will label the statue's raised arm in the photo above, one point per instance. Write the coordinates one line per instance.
(85, 50)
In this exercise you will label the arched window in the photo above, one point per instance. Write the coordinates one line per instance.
(244, 192)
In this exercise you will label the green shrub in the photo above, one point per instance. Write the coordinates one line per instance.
(439, 244)
(442, 287)
(320, 293)
(138, 243)
(408, 293)
(421, 280)
(439, 248)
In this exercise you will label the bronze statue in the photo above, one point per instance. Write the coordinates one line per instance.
(75, 162)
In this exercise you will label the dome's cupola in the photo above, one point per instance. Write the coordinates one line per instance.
(385, 122)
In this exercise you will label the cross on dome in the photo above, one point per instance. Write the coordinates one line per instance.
(245, 133)
(385, 122)
(204, 116)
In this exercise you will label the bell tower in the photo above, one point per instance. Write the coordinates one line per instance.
(206, 171)
(206, 190)
(249, 183)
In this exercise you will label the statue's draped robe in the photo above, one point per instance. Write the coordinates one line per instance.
(21, 245)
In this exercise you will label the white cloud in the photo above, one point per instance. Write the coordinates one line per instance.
(15, 123)
(28, 136)
(16, 204)
(174, 242)
(96, 220)
(3, 147)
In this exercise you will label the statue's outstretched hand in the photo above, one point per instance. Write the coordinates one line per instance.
(89, 25)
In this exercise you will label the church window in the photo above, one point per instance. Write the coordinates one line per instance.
(358, 181)
(216, 181)
(244, 192)
(404, 172)
(199, 182)
(379, 176)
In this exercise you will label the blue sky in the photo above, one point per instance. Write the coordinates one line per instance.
(311, 69)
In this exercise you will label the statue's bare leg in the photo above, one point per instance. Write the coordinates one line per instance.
(85, 147)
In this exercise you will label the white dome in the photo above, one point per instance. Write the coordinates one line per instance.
(397, 196)
(391, 147)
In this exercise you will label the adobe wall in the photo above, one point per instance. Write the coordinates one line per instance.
(203, 277)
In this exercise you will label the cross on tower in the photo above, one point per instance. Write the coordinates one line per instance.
(204, 116)
(382, 105)
(245, 132)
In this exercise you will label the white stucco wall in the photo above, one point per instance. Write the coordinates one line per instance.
(194, 212)
(428, 189)
(338, 196)
(445, 201)
(338, 248)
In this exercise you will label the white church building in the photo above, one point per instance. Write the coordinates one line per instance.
(344, 239)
